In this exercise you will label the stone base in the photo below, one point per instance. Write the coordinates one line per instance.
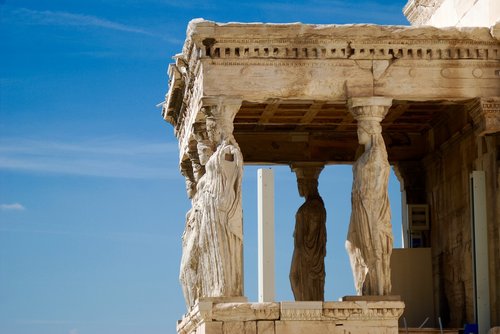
(360, 317)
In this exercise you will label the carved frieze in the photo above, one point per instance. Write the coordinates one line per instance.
(245, 311)
(301, 310)
(362, 310)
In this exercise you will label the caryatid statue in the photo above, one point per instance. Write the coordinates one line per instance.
(199, 151)
(369, 240)
(221, 229)
(307, 272)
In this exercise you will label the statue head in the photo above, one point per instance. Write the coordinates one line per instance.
(204, 146)
(205, 151)
(190, 188)
(187, 172)
(219, 124)
(307, 178)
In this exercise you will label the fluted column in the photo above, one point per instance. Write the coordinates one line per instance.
(369, 240)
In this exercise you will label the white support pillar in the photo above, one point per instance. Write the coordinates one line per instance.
(480, 251)
(265, 189)
(405, 230)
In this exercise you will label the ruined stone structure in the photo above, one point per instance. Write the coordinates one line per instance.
(423, 99)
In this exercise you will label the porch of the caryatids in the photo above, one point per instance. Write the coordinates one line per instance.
(369, 239)
(221, 228)
(307, 271)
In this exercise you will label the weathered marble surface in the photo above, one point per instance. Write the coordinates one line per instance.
(220, 237)
(369, 239)
(363, 317)
(307, 272)
(194, 171)
(211, 265)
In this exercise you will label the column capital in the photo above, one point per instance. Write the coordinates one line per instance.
(369, 101)
(485, 113)
(369, 108)
(222, 108)
(221, 100)
(307, 170)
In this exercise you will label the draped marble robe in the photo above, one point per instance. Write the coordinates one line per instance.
(189, 275)
(220, 239)
(307, 272)
(369, 240)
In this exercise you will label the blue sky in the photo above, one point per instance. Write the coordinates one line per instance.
(91, 201)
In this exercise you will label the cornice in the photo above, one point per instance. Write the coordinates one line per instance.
(236, 41)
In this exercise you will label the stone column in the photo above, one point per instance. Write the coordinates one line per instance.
(307, 272)
(369, 240)
(221, 228)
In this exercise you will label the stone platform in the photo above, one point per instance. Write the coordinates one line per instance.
(373, 316)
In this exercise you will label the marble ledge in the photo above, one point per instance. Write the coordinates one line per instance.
(278, 317)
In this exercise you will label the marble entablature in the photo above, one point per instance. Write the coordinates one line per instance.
(258, 62)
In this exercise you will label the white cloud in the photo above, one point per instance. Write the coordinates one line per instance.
(48, 17)
(73, 331)
(105, 157)
(12, 207)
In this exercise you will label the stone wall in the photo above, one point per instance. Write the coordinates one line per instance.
(447, 170)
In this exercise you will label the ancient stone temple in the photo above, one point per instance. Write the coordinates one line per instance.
(423, 99)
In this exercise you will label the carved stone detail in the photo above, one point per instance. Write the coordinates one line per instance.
(485, 113)
(199, 152)
(363, 310)
(307, 272)
(211, 264)
(221, 230)
(301, 310)
(245, 311)
(364, 317)
(369, 240)
(260, 61)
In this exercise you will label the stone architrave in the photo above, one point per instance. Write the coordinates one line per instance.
(369, 240)
(307, 272)
(221, 228)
